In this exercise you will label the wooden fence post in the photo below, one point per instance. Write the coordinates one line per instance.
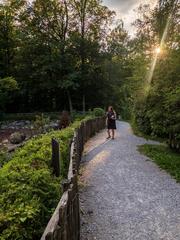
(65, 222)
(55, 157)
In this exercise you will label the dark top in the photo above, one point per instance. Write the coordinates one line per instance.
(111, 120)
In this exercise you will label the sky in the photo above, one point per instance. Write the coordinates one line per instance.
(125, 10)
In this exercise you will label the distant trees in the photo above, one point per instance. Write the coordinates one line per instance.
(7, 86)
(54, 51)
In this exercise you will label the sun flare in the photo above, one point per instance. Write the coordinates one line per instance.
(158, 50)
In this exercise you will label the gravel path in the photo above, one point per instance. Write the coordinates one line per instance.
(124, 195)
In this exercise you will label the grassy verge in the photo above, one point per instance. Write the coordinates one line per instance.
(29, 191)
(164, 157)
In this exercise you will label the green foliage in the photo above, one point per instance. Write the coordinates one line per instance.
(29, 192)
(152, 89)
(164, 157)
(44, 45)
(77, 116)
(98, 112)
(4, 157)
(28, 116)
(65, 53)
(40, 122)
(7, 85)
(157, 113)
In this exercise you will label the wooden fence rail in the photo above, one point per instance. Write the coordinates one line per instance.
(65, 222)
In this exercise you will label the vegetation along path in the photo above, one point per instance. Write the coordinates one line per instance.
(124, 195)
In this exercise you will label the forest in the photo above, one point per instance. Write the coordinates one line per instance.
(74, 55)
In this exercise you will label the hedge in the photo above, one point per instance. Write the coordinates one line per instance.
(29, 191)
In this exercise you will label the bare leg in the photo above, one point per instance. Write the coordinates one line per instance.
(113, 133)
(109, 135)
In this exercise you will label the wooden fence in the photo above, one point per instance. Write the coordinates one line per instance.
(65, 222)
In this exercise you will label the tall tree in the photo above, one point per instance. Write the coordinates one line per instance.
(91, 20)
(9, 15)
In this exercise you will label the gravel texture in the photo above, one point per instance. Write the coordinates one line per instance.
(123, 194)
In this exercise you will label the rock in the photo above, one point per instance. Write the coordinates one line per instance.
(5, 141)
(17, 137)
(90, 212)
(27, 122)
(54, 125)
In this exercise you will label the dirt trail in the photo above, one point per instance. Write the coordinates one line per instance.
(124, 195)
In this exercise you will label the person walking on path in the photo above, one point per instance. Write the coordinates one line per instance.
(111, 122)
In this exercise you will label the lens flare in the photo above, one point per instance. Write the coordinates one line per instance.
(158, 50)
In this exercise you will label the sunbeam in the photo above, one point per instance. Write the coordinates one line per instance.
(158, 50)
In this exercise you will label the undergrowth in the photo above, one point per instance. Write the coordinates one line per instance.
(29, 191)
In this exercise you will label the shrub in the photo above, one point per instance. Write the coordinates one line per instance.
(29, 191)
(65, 120)
(98, 112)
(40, 123)
(4, 156)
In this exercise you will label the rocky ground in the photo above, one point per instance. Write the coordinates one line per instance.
(24, 127)
(123, 194)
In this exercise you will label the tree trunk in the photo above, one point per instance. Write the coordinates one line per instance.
(84, 104)
(82, 51)
(70, 102)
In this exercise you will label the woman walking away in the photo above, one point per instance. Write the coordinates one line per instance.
(111, 121)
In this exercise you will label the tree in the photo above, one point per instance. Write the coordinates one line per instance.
(7, 85)
(154, 84)
(9, 16)
(91, 20)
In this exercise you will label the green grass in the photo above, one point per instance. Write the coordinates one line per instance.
(164, 157)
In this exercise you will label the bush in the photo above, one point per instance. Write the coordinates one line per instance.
(29, 191)
(78, 115)
(4, 156)
(98, 112)
(140, 117)
(40, 123)
(65, 120)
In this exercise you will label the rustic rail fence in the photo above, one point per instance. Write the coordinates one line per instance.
(65, 222)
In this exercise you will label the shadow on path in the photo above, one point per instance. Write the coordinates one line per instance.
(123, 196)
